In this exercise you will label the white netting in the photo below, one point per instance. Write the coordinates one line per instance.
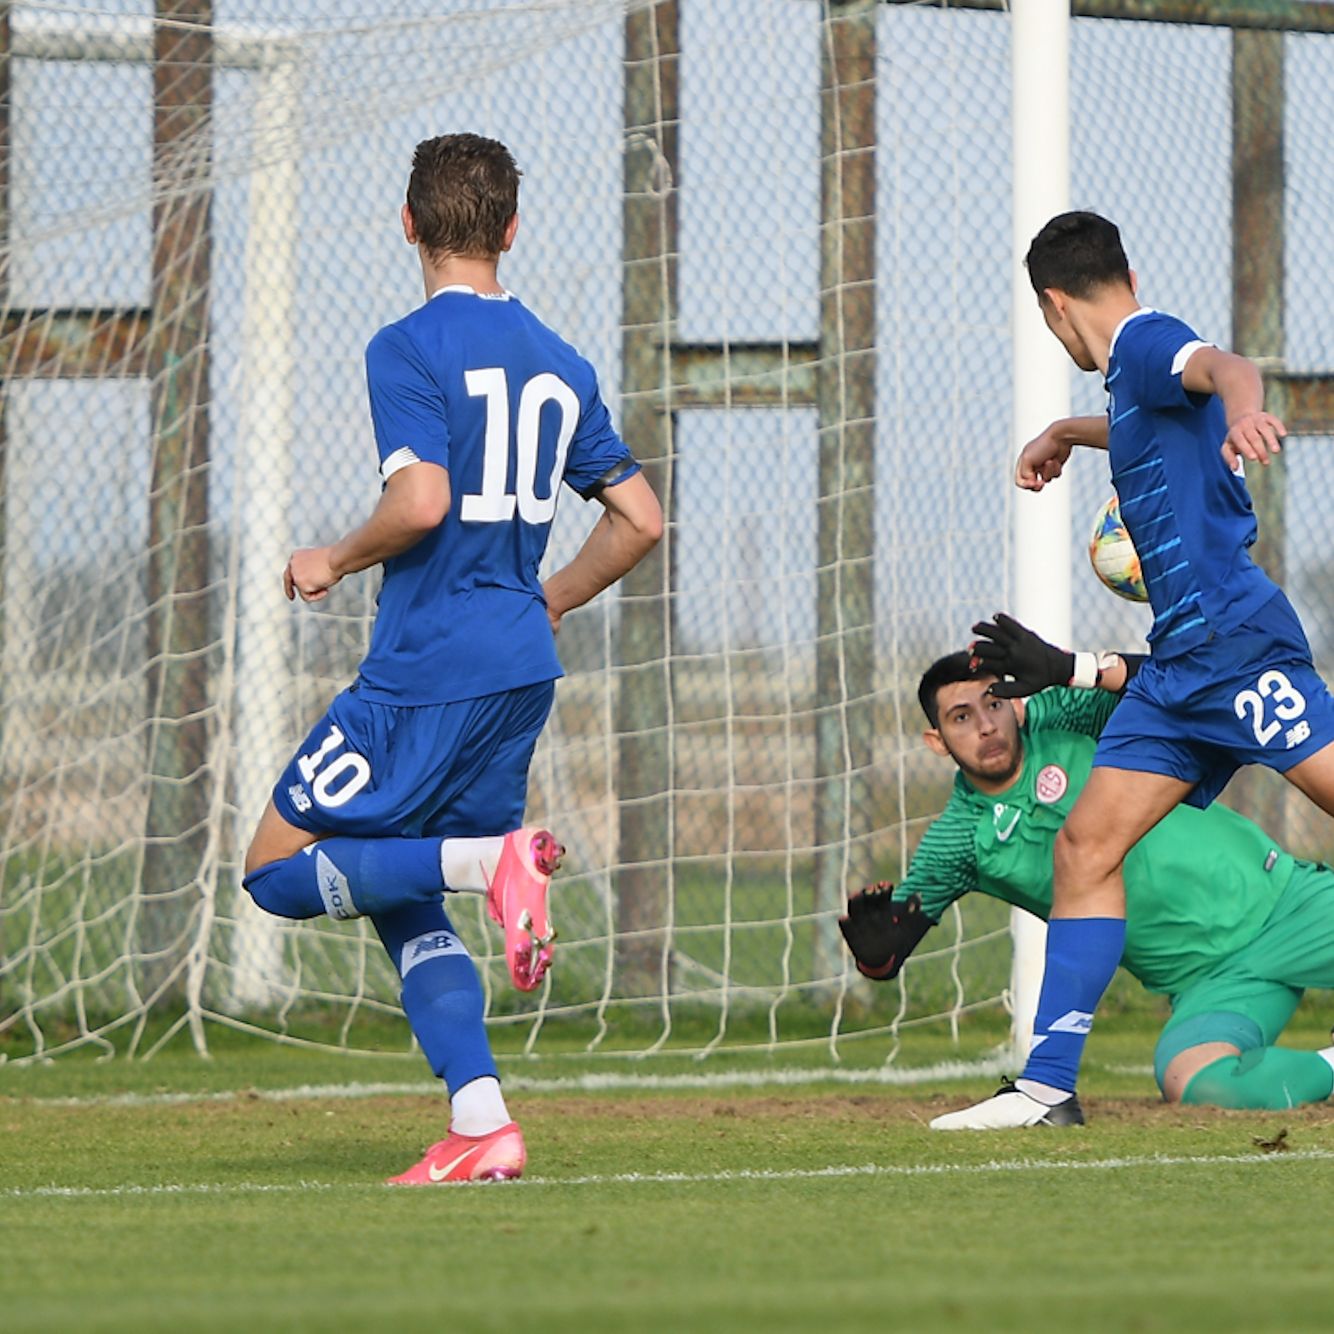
(184, 401)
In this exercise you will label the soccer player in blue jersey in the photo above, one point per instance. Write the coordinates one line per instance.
(1229, 680)
(413, 784)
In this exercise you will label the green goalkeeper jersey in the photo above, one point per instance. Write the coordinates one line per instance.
(1199, 885)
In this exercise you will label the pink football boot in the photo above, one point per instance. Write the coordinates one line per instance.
(499, 1156)
(517, 899)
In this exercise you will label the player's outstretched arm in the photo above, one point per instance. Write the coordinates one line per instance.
(414, 501)
(1027, 663)
(1043, 458)
(1252, 433)
(628, 530)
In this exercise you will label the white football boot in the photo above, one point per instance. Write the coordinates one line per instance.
(1009, 1108)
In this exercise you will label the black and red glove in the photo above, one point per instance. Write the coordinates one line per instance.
(882, 932)
(1004, 648)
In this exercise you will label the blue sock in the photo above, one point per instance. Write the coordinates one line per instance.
(349, 877)
(1082, 955)
(442, 994)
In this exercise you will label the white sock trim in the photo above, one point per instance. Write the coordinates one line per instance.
(469, 864)
(1043, 1093)
(1326, 1054)
(479, 1107)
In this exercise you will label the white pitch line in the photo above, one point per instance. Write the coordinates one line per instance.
(865, 1170)
(936, 1169)
(184, 1188)
(887, 1076)
(313, 1092)
(883, 1076)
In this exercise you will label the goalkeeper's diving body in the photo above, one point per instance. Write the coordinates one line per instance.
(1218, 916)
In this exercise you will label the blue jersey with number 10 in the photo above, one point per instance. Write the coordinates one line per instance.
(480, 386)
(1188, 515)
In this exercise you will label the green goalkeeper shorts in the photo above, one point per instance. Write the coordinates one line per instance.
(1249, 998)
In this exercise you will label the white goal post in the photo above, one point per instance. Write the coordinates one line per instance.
(1040, 88)
(259, 618)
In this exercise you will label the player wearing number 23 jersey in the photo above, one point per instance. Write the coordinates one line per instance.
(1230, 680)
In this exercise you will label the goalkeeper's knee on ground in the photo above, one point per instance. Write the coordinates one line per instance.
(1264, 1079)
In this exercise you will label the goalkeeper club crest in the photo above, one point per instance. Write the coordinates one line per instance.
(1052, 784)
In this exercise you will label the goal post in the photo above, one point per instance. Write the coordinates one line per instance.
(262, 631)
(1040, 189)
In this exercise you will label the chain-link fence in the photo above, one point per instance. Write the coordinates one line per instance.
(786, 249)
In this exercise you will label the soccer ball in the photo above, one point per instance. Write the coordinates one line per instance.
(1115, 560)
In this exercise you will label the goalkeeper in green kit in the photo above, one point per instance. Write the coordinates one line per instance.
(1218, 917)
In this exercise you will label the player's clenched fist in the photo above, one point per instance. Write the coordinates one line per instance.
(310, 574)
(880, 932)
(1042, 459)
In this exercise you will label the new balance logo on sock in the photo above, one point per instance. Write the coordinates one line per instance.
(1072, 1021)
(334, 890)
(432, 945)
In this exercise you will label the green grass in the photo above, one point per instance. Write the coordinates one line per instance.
(641, 1210)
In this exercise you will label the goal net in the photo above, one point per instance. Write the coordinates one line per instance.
(780, 232)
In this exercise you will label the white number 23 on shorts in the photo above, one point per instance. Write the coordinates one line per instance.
(1275, 694)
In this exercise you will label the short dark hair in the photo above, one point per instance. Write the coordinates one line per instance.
(946, 671)
(1077, 253)
(462, 193)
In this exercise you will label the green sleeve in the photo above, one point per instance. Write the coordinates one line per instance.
(1067, 709)
(944, 867)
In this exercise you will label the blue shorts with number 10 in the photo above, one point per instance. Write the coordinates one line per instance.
(373, 770)
(1249, 697)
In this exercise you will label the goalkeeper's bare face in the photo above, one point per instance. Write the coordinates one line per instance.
(979, 732)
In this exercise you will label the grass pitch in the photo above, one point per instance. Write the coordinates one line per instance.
(243, 1193)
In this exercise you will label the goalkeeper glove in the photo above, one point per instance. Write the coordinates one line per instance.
(1006, 648)
(880, 932)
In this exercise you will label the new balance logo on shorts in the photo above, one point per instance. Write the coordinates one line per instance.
(432, 945)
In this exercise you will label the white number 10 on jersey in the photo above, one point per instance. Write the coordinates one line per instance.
(493, 504)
